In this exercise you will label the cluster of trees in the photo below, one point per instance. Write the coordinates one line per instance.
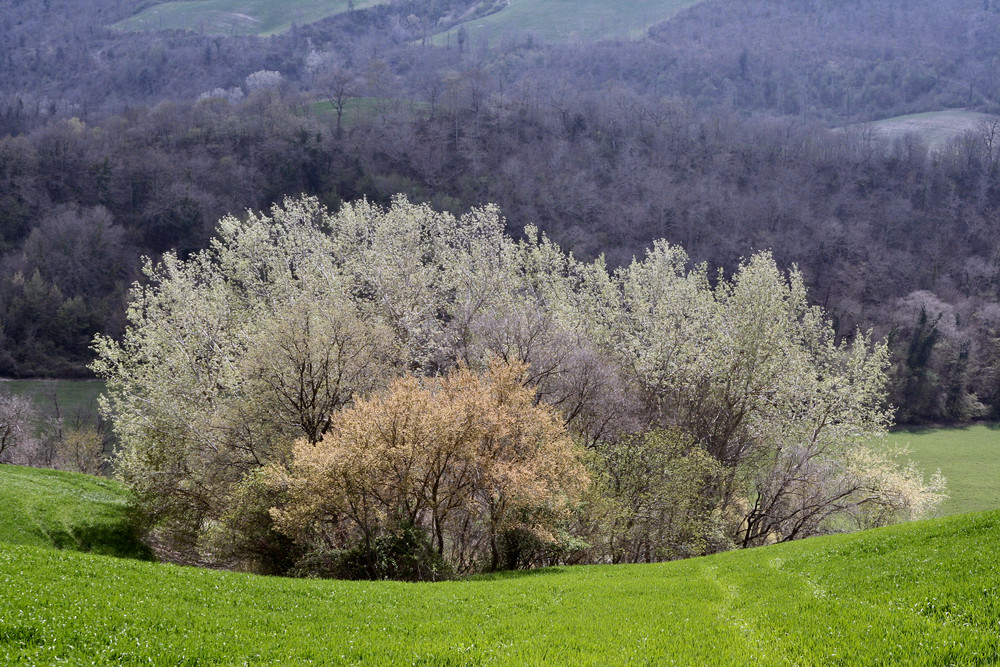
(881, 231)
(38, 434)
(63, 57)
(397, 392)
(605, 147)
(831, 60)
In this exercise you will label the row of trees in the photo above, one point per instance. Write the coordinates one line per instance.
(37, 433)
(464, 401)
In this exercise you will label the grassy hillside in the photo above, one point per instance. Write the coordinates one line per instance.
(921, 593)
(564, 21)
(359, 108)
(969, 457)
(237, 17)
(936, 128)
(48, 508)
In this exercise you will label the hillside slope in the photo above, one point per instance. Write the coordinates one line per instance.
(561, 21)
(968, 456)
(921, 593)
(935, 128)
(64, 510)
(237, 17)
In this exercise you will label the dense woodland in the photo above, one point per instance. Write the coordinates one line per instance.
(713, 132)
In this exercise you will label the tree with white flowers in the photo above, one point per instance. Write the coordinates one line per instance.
(289, 319)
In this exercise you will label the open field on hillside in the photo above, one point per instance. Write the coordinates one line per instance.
(563, 21)
(67, 397)
(920, 593)
(236, 17)
(48, 508)
(936, 128)
(969, 457)
(357, 109)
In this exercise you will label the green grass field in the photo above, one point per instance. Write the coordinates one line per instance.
(48, 508)
(236, 17)
(920, 593)
(568, 20)
(969, 457)
(357, 109)
(936, 128)
(71, 397)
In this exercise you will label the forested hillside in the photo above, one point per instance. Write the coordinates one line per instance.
(712, 132)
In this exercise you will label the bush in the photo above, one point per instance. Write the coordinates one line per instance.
(406, 554)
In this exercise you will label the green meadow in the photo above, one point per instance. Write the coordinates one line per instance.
(553, 20)
(919, 593)
(563, 21)
(922, 593)
(968, 456)
(357, 109)
(64, 510)
(67, 398)
(236, 17)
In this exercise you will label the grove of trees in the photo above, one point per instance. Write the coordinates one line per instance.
(399, 392)
(711, 132)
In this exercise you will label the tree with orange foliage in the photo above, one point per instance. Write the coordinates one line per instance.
(469, 460)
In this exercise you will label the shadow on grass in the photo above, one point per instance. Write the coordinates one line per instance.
(120, 540)
(20, 636)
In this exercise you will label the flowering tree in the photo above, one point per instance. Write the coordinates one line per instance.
(466, 458)
(272, 334)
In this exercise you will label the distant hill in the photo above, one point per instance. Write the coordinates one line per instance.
(936, 128)
(238, 17)
(569, 20)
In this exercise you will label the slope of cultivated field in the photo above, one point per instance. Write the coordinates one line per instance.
(237, 17)
(553, 20)
(49, 508)
(564, 21)
(935, 128)
(920, 593)
(968, 456)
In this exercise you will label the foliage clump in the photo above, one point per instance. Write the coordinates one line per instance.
(325, 388)
(451, 466)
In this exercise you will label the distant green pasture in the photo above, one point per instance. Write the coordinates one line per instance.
(357, 109)
(237, 17)
(968, 456)
(568, 20)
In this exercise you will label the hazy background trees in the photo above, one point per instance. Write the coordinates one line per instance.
(711, 132)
